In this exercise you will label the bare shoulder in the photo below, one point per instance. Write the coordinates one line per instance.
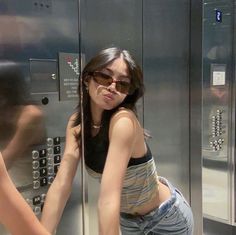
(124, 121)
(124, 113)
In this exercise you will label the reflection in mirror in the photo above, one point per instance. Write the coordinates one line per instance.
(21, 123)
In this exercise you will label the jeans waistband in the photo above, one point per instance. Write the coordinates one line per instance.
(162, 209)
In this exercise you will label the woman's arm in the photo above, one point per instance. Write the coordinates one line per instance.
(60, 189)
(15, 213)
(122, 138)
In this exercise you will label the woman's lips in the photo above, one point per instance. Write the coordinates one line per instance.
(109, 96)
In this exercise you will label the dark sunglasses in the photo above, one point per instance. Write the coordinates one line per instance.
(106, 80)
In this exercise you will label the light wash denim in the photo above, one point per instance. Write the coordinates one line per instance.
(174, 216)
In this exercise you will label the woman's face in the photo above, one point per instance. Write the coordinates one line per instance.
(108, 97)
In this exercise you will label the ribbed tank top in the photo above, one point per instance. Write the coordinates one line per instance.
(141, 181)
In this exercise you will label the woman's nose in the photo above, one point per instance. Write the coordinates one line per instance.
(112, 87)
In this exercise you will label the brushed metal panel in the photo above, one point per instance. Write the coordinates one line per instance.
(166, 103)
(196, 115)
(217, 54)
(108, 23)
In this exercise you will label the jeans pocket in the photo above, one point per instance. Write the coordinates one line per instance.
(174, 222)
(170, 217)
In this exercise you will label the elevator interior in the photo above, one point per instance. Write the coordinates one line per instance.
(43, 38)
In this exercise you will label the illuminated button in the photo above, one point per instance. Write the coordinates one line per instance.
(57, 141)
(36, 175)
(35, 165)
(43, 182)
(50, 170)
(57, 159)
(36, 184)
(49, 141)
(42, 153)
(37, 210)
(43, 172)
(50, 150)
(35, 154)
(57, 149)
(36, 200)
(43, 162)
(50, 179)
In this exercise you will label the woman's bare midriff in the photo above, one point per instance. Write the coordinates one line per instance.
(162, 195)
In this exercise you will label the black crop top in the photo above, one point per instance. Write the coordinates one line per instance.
(96, 149)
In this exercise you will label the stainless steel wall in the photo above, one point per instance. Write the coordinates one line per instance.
(218, 121)
(217, 58)
(32, 33)
(195, 74)
(166, 73)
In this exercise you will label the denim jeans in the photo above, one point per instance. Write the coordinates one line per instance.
(174, 216)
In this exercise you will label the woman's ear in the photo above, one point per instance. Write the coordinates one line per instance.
(86, 81)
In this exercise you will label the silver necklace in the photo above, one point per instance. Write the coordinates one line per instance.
(96, 126)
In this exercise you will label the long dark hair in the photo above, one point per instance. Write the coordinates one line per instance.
(99, 62)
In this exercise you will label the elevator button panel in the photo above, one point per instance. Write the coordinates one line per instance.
(45, 162)
(218, 129)
(37, 203)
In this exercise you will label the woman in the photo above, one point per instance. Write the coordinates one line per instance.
(132, 196)
(15, 213)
